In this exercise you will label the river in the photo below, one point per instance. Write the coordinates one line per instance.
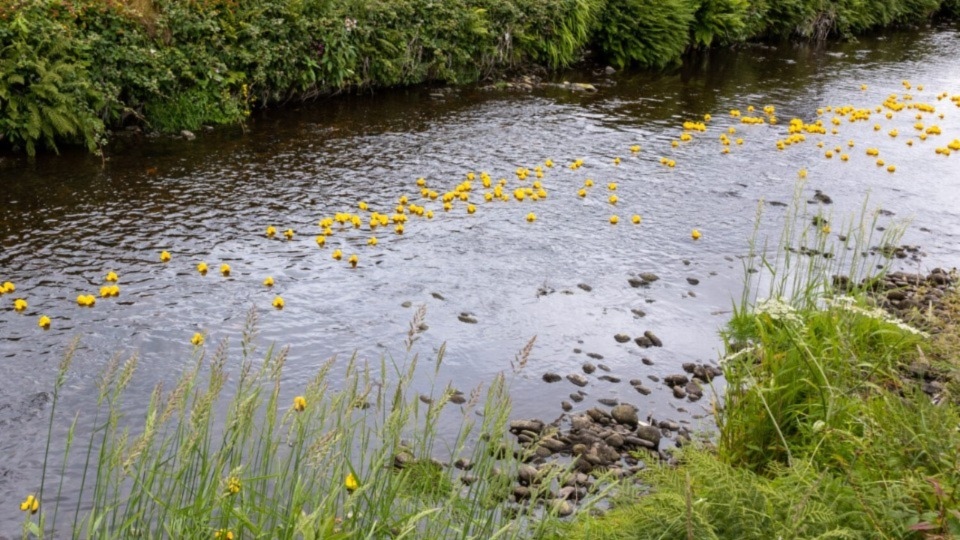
(66, 221)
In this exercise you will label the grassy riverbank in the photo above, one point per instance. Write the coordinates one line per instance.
(839, 420)
(71, 69)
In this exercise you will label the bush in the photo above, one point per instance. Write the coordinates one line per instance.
(646, 33)
(720, 21)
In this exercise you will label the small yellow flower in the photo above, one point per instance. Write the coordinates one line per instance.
(695, 234)
(164, 256)
(19, 304)
(351, 483)
(233, 485)
(111, 276)
(197, 339)
(44, 322)
(30, 504)
(299, 403)
(225, 269)
(202, 268)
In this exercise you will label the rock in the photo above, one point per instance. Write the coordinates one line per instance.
(609, 402)
(636, 282)
(598, 415)
(595, 356)
(527, 474)
(585, 287)
(642, 389)
(649, 277)
(561, 507)
(566, 406)
(577, 351)
(609, 378)
(637, 442)
(679, 392)
(669, 425)
(576, 398)
(625, 415)
(426, 399)
(438, 296)
(467, 318)
(551, 377)
(614, 440)
(653, 378)
(577, 379)
(468, 479)
(649, 433)
(822, 197)
(646, 361)
(643, 341)
(604, 367)
(542, 452)
(187, 135)
(693, 281)
(533, 425)
(678, 379)
(553, 444)
(521, 493)
(638, 312)
(403, 458)
(653, 338)
(693, 389)
(406, 304)
(689, 367)
(588, 368)
(458, 399)
(609, 70)
(621, 338)
(464, 464)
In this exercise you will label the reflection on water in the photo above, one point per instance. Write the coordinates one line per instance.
(65, 222)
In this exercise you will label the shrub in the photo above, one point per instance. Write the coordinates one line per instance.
(646, 33)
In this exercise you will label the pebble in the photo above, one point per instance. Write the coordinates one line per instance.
(642, 389)
(595, 356)
(406, 304)
(585, 287)
(566, 406)
(653, 338)
(625, 414)
(649, 277)
(551, 377)
(604, 367)
(646, 361)
(678, 379)
(464, 464)
(467, 318)
(609, 402)
(693, 281)
(621, 338)
(588, 368)
(609, 378)
(577, 379)
(576, 398)
(438, 296)
(643, 341)
(638, 312)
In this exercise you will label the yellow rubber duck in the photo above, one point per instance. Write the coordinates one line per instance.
(695, 234)
(582, 193)
(613, 199)
(111, 276)
(7, 287)
(616, 160)
(531, 217)
(337, 254)
(635, 149)
(588, 183)
(197, 339)
(321, 240)
(19, 304)
(471, 208)
(353, 260)
(614, 219)
(398, 229)
(225, 269)
(636, 219)
(268, 281)
(278, 303)
(288, 234)
(164, 256)
(612, 186)
(271, 231)
(44, 322)
(202, 268)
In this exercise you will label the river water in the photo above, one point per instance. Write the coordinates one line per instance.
(66, 221)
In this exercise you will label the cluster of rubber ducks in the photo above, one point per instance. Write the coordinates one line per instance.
(530, 184)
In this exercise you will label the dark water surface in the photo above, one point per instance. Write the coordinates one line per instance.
(66, 221)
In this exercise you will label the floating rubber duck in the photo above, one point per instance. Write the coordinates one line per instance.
(880, 163)
(271, 231)
(337, 254)
(471, 208)
(268, 281)
(635, 149)
(695, 234)
(164, 256)
(111, 276)
(612, 186)
(863, 87)
(225, 269)
(588, 183)
(636, 219)
(353, 260)
(548, 163)
(398, 229)
(613, 199)
(420, 182)
(19, 304)
(321, 240)
(582, 193)
(44, 322)
(614, 219)
(447, 207)
(531, 217)
(372, 241)
(616, 161)
(429, 214)
(197, 339)
(891, 168)
(202, 268)
(7, 287)
(278, 303)
(86, 300)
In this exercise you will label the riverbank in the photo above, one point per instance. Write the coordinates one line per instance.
(174, 66)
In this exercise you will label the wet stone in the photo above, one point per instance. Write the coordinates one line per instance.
(585, 287)
(649, 277)
(406, 304)
(678, 379)
(693, 281)
(438, 296)
(588, 368)
(643, 341)
(577, 379)
(467, 318)
(653, 338)
(551, 377)
(604, 367)
(679, 392)
(576, 398)
(642, 389)
(649, 433)
(646, 361)
(625, 414)
(609, 378)
(595, 356)
(638, 312)
(621, 338)
(609, 402)
(532, 425)
(566, 406)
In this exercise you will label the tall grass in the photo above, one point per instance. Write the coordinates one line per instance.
(235, 454)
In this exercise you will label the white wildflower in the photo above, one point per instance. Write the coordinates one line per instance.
(849, 304)
(778, 310)
(742, 352)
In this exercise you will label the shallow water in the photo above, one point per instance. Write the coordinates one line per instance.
(65, 222)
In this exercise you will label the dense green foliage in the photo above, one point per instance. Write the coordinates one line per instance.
(70, 69)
